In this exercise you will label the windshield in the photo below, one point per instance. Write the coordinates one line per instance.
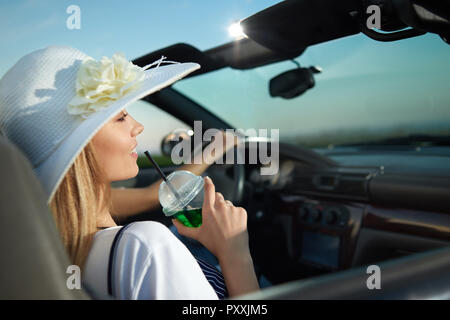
(367, 91)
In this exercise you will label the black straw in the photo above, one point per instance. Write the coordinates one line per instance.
(163, 176)
(156, 166)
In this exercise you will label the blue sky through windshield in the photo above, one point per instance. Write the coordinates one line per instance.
(366, 87)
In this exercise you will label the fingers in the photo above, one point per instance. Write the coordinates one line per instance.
(221, 200)
(185, 231)
(212, 197)
(242, 211)
(210, 193)
(219, 197)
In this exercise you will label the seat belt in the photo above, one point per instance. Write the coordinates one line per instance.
(111, 262)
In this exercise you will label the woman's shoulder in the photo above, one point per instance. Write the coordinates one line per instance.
(142, 235)
(149, 233)
(146, 226)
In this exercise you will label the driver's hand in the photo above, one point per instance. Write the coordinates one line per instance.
(229, 140)
(223, 141)
(224, 226)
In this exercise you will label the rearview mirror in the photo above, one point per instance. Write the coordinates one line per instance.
(293, 83)
(173, 138)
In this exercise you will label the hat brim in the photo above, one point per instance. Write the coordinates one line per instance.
(54, 168)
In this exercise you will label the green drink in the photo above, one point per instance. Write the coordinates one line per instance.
(181, 198)
(190, 218)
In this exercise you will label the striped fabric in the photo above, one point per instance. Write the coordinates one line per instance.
(214, 277)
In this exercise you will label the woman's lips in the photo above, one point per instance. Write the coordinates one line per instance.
(134, 155)
(133, 152)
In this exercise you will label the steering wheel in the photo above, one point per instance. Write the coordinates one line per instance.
(232, 188)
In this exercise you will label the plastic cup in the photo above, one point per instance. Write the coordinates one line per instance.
(186, 205)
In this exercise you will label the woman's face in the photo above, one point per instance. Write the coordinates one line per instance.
(115, 146)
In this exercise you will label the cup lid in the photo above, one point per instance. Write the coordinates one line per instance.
(187, 185)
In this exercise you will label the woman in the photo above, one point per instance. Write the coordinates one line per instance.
(67, 113)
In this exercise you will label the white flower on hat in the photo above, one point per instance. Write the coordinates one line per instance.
(101, 82)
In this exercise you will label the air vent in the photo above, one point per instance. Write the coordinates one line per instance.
(343, 182)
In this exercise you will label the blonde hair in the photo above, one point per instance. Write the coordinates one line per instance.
(82, 194)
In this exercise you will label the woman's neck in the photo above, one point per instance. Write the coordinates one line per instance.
(104, 219)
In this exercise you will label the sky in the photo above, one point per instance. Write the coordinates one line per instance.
(364, 84)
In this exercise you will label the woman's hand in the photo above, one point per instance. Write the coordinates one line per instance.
(224, 226)
(224, 233)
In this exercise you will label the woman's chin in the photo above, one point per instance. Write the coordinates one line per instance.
(128, 175)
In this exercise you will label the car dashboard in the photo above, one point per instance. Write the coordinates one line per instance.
(365, 208)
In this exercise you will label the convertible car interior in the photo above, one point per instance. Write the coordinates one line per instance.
(329, 212)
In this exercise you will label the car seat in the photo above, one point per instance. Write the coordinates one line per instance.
(34, 260)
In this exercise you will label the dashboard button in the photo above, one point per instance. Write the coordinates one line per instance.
(303, 212)
(316, 214)
(331, 216)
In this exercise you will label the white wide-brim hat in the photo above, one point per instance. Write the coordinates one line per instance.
(34, 98)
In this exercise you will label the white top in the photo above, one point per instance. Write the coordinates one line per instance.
(150, 263)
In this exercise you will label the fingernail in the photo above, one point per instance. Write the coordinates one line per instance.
(208, 179)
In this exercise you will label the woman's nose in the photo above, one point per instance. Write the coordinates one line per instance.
(137, 129)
